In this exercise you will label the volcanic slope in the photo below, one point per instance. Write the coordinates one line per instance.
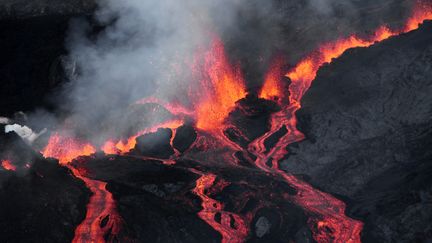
(367, 121)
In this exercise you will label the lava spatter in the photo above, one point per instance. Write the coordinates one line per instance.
(219, 86)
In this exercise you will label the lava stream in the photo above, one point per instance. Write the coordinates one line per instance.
(101, 218)
(232, 227)
(328, 222)
(100, 208)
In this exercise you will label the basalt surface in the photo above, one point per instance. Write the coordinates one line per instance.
(367, 121)
(39, 203)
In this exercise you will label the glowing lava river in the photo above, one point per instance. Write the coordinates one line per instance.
(220, 86)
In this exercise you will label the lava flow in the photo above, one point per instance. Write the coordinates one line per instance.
(211, 207)
(328, 221)
(101, 206)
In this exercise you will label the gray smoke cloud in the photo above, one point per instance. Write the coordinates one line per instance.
(133, 49)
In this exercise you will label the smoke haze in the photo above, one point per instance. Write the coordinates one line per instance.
(133, 49)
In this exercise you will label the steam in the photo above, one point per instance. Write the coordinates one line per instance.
(133, 49)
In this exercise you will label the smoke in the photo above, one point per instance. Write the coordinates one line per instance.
(133, 49)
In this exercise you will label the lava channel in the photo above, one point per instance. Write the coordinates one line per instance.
(102, 220)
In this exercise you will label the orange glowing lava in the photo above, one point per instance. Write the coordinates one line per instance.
(273, 88)
(124, 146)
(65, 148)
(211, 207)
(101, 206)
(329, 222)
(305, 71)
(220, 86)
(7, 165)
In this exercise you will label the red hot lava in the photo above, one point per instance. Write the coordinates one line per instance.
(212, 207)
(124, 146)
(328, 221)
(101, 205)
(220, 86)
(66, 148)
(8, 165)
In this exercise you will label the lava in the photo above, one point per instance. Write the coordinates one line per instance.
(8, 165)
(211, 207)
(124, 146)
(65, 148)
(101, 207)
(220, 86)
(328, 221)
(305, 71)
(273, 88)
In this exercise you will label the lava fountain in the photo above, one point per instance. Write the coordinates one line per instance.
(220, 86)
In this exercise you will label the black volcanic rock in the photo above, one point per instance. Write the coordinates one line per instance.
(251, 117)
(31, 49)
(157, 203)
(44, 205)
(155, 144)
(154, 200)
(40, 201)
(185, 136)
(367, 119)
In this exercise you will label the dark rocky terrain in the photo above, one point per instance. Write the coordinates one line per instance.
(32, 43)
(367, 119)
(42, 203)
(21, 9)
(157, 204)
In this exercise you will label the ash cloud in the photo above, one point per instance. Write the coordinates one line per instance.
(134, 48)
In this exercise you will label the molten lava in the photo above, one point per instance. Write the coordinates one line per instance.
(101, 204)
(220, 86)
(305, 71)
(122, 147)
(101, 207)
(8, 165)
(65, 148)
(212, 207)
(273, 88)
(328, 221)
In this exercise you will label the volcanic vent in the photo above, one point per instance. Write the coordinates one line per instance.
(209, 165)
